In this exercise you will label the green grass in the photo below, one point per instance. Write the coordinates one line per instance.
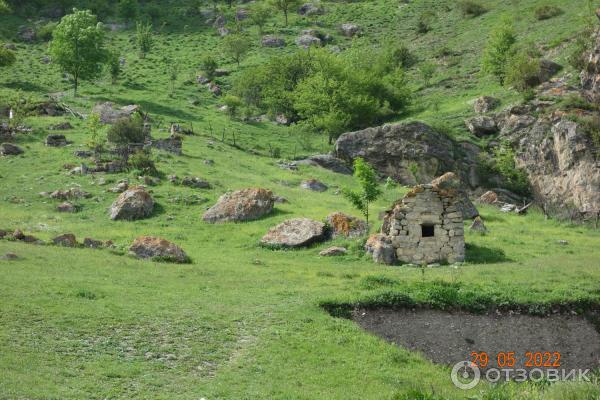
(242, 321)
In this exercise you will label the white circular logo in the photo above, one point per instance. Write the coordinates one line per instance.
(462, 377)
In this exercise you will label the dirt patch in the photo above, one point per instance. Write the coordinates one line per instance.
(448, 338)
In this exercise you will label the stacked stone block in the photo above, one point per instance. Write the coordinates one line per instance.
(426, 227)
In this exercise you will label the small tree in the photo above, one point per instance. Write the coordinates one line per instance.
(233, 104)
(498, 50)
(236, 46)
(143, 38)
(172, 73)
(284, 6)
(7, 57)
(128, 9)
(209, 65)
(427, 70)
(114, 67)
(78, 46)
(126, 131)
(95, 128)
(259, 15)
(369, 192)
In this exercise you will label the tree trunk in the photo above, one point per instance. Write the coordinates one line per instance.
(285, 12)
(76, 79)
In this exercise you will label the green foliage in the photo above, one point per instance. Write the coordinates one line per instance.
(425, 20)
(591, 126)
(95, 128)
(209, 65)
(427, 71)
(522, 71)
(547, 11)
(577, 56)
(128, 9)
(7, 57)
(236, 46)
(44, 32)
(4, 7)
(142, 161)
(172, 71)
(498, 50)
(143, 38)
(233, 104)
(114, 67)
(504, 163)
(260, 13)
(285, 6)
(126, 131)
(471, 8)
(369, 187)
(78, 46)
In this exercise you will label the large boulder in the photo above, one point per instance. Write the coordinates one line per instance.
(381, 248)
(314, 185)
(485, 104)
(158, 248)
(547, 70)
(56, 140)
(450, 182)
(134, 203)
(590, 76)
(296, 232)
(327, 161)
(481, 125)
(307, 41)
(9, 149)
(272, 41)
(346, 225)
(242, 205)
(349, 29)
(110, 115)
(410, 153)
(309, 9)
(66, 240)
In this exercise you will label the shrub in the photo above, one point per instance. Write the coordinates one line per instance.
(369, 187)
(547, 12)
(143, 38)
(236, 46)
(515, 178)
(498, 50)
(577, 57)
(44, 32)
(471, 8)
(591, 126)
(522, 71)
(209, 65)
(426, 18)
(7, 57)
(233, 104)
(128, 9)
(126, 131)
(142, 161)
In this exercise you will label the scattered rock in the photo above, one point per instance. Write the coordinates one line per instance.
(241, 14)
(134, 203)
(26, 34)
(346, 225)
(563, 242)
(281, 119)
(333, 251)
(309, 9)
(489, 197)
(242, 205)
(119, 187)
(221, 72)
(66, 240)
(450, 183)
(478, 226)
(329, 162)
(202, 80)
(61, 127)
(10, 46)
(350, 29)
(195, 182)
(296, 232)
(307, 41)
(93, 244)
(83, 153)
(508, 208)
(73, 193)
(158, 248)
(272, 41)
(547, 70)
(66, 207)
(173, 144)
(481, 125)
(110, 115)
(290, 166)
(9, 149)
(19, 235)
(280, 200)
(314, 185)
(380, 246)
(485, 104)
(9, 256)
(50, 108)
(56, 140)
(214, 89)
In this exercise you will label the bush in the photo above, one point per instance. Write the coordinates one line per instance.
(7, 57)
(233, 104)
(142, 161)
(498, 50)
(591, 126)
(128, 9)
(426, 18)
(547, 12)
(577, 57)
(209, 65)
(515, 178)
(44, 32)
(522, 71)
(126, 131)
(471, 8)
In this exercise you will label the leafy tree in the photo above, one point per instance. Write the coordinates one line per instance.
(4, 7)
(427, 70)
(498, 50)
(522, 71)
(124, 132)
(128, 9)
(7, 57)
(259, 15)
(95, 128)
(78, 46)
(114, 67)
(209, 65)
(233, 104)
(143, 38)
(172, 73)
(369, 187)
(284, 6)
(236, 46)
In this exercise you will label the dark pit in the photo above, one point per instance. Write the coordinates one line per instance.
(451, 337)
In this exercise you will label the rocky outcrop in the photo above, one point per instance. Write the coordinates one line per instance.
(346, 225)
(134, 203)
(242, 205)
(590, 76)
(195, 182)
(307, 41)
(159, 249)
(410, 153)
(110, 115)
(485, 104)
(561, 166)
(481, 125)
(314, 185)
(9, 149)
(296, 232)
(309, 9)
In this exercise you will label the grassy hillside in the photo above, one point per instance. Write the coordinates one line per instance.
(241, 321)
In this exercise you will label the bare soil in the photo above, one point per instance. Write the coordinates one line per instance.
(450, 337)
